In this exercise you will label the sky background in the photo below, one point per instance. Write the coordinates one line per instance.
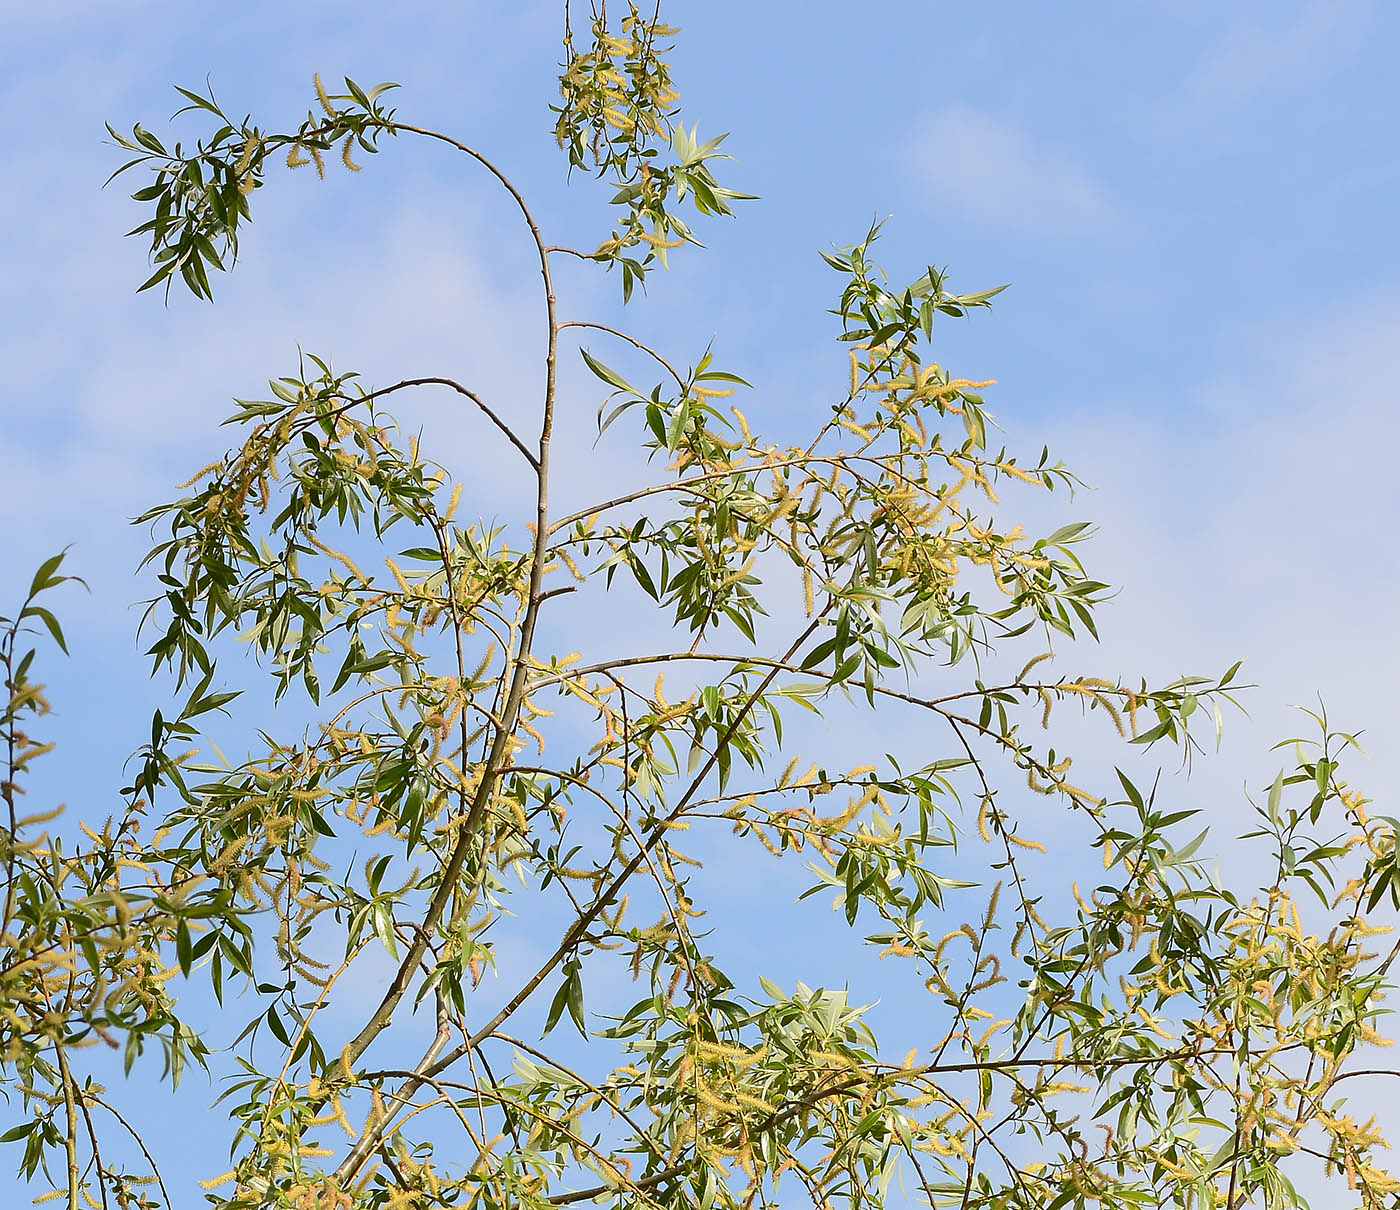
(1194, 203)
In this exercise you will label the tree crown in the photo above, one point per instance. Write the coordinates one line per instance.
(472, 760)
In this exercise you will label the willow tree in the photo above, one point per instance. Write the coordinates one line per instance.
(471, 779)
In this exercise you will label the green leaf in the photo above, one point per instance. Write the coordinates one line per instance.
(611, 377)
(1184, 854)
(1065, 534)
(49, 621)
(383, 924)
(184, 948)
(44, 577)
(1275, 798)
(566, 997)
(157, 277)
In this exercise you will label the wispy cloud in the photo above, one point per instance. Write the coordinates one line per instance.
(1249, 521)
(1251, 56)
(992, 172)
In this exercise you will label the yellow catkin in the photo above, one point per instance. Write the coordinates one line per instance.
(345, 153)
(338, 556)
(743, 425)
(1152, 1024)
(1025, 672)
(983, 818)
(1080, 795)
(533, 734)
(250, 149)
(398, 576)
(852, 427)
(992, 900)
(1010, 468)
(753, 1102)
(738, 574)
(199, 474)
(571, 565)
(324, 98)
(481, 668)
(947, 937)
(990, 1030)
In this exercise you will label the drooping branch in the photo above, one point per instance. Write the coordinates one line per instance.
(631, 340)
(467, 835)
(406, 383)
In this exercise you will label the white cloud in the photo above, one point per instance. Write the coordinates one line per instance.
(1255, 520)
(1250, 56)
(992, 172)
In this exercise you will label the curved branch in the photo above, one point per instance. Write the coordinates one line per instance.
(155, 1171)
(441, 382)
(515, 692)
(1367, 1071)
(645, 1182)
(588, 1084)
(927, 703)
(631, 340)
(563, 251)
(764, 464)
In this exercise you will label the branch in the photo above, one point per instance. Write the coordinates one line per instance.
(563, 251)
(70, 1139)
(764, 464)
(1369, 1071)
(587, 1195)
(515, 693)
(461, 390)
(631, 340)
(580, 926)
(155, 1171)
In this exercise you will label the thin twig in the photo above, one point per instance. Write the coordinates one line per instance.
(587, 1195)
(631, 340)
(155, 1171)
(405, 384)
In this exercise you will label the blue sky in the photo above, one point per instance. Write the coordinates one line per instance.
(1195, 204)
